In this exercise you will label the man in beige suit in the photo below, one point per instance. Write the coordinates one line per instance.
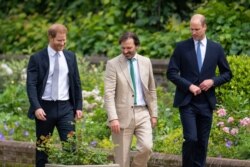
(131, 103)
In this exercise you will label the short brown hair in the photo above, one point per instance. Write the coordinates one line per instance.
(128, 35)
(56, 28)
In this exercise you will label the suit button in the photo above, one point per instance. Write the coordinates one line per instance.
(133, 95)
(132, 106)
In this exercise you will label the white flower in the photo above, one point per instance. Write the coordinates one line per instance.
(24, 74)
(95, 91)
(7, 69)
(98, 99)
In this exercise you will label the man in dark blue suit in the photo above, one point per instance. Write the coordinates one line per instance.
(54, 89)
(192, 69)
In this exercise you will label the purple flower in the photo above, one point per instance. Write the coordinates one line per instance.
(2, 136)
(26, 133)
(11, 132)
(229, 143)
(17, 123)
(93, 144)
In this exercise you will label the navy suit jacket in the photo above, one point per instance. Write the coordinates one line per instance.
(37, 75)
(183, 70)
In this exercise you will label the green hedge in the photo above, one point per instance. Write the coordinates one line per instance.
(94, 27)
(235, 94)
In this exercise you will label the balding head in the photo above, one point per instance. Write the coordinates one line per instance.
(56, 28)
(198, 18)
(198, 26)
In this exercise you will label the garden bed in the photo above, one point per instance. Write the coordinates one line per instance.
(17, 152)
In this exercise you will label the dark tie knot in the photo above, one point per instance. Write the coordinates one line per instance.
(131, 59)
(199, 43)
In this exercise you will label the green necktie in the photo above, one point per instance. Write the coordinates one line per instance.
(132, 74)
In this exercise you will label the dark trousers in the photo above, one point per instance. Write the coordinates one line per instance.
(59, 114)
(196, 119)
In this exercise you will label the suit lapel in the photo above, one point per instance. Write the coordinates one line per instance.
(69, 61)
(208, 51)
(193, 54)
(44, 60)
(45, 63)
(125, 70)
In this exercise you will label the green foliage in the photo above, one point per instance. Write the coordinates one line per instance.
(95, 26)
(150, 14)
(244, 146)
(96, 126)
(228, 23)
(235, 94)
(168, 114)
(14, 99)
(23, 34)
(91, 77)
(171, 143)
(16, 127)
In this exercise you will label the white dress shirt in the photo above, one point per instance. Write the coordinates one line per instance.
(139, 92)
(63, 80)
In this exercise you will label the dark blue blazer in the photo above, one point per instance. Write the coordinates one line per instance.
(183, 70)
(37, 75)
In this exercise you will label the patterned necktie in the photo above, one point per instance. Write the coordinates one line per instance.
(55, 76)
(132, 75)
(199, 59)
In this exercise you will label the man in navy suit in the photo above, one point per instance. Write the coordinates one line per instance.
(53, 106)
(195, 81)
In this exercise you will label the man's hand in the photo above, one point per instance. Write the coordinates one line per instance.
(153, 121)
(40, 114)
(206, 84)
(78, 114)
(115, 126)
(195, 89)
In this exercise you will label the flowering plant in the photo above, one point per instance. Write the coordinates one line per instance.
(230, 126)
(228, 131)
(75, 151)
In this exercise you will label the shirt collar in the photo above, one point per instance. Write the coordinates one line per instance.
(134, 58)
(203, 41)
(52, 52)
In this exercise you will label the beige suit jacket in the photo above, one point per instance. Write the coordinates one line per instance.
(119, 95)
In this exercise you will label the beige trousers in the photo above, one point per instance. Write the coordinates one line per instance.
(140, 126)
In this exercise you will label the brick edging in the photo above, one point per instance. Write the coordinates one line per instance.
(24, 152)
